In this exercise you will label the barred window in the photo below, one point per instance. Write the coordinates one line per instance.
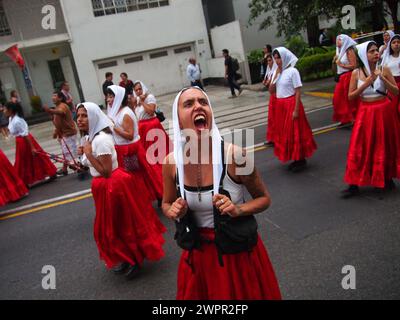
(4, 26)
(107, 7)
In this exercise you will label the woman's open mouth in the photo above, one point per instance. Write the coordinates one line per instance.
(200, 122)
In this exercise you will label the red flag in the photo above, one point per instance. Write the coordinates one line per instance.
(14, 54)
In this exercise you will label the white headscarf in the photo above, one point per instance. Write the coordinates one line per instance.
(98, 121)
(347, 43)
(144, 88)
(363, 54)
(271, 71)
(119, 95)
(288, 58)
(180, 141)
(386, 53)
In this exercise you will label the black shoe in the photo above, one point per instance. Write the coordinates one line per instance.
(52, 178)
(298, 166)
(62, 173)
(132, 272)
(121, 268)
(269, 144)
(390, 185)
(350, 192)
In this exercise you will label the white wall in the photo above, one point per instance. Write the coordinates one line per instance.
(98, 38)
(229, 36)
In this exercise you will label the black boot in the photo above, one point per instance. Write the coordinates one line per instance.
(132, 272)
(121, 268)
(350, 192)
(298, 166)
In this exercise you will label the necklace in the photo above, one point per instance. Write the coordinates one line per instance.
(199, 181)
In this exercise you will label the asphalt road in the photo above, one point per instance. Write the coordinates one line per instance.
(310, 234)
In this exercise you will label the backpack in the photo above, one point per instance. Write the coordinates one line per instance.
(235, 65)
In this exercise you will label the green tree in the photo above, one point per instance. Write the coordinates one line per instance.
(291, 16)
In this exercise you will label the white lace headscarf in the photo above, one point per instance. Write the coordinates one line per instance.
(347, 43)
(98, 121)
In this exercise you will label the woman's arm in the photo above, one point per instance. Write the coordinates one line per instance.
(354, 90)
(102, 164)
(351, 56)
(149, 108)
(172, 207)
(389, 80)
(296, 108)
(254, 185)
(33, 149)
(126, 130)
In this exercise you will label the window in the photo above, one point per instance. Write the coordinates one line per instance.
(133, 59)
(107, 7)
(158, 54)
(4, 26)
(183, 49)
(107, 64)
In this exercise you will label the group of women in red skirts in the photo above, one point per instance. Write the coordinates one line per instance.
(133, 163)
(366, 96)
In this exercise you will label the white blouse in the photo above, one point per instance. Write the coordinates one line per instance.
(120, 141)
(394, 65)
(103, 144)
(345, 61)
(141, 114)
(288, 81)
(18, 127)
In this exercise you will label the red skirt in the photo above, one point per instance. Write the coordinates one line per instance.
(32, 168)
(396, 99)
(374, 153)
(132, 158)
(344, 111)
(271, 118)
(150, 137)
(244, 276)
(12, 188)
(122, 228)
(294, 139)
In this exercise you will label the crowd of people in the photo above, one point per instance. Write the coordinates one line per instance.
(197, 183)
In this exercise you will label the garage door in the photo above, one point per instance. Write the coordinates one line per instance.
(162, 71)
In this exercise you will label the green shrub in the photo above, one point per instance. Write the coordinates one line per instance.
(255, 56)
(316, 66)
(36, 104)
(297, 45)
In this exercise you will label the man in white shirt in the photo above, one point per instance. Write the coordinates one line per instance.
(193, 73)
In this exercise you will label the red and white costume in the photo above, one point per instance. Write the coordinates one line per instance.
(374, 153)
(31, 168)
(344, 111)
(293, 137)
(122, 229)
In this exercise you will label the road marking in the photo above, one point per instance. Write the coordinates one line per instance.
(44, 207)
(325, 95)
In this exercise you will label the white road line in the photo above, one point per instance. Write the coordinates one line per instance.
(41, 203)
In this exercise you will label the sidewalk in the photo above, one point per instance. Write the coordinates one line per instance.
(247, 111)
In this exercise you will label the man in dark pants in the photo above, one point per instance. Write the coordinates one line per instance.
(230, 73)
(106, 84)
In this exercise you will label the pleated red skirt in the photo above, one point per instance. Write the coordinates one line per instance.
(374, 153)
(123, 229)
(150, 137)
(143, 172)
(344, 111)
(396, 99)
(12, 188)
(294, 139)
(271, 118)
(32, 168)
(244, 276)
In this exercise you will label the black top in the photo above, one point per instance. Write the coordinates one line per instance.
(106, 84)
(229, 63)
